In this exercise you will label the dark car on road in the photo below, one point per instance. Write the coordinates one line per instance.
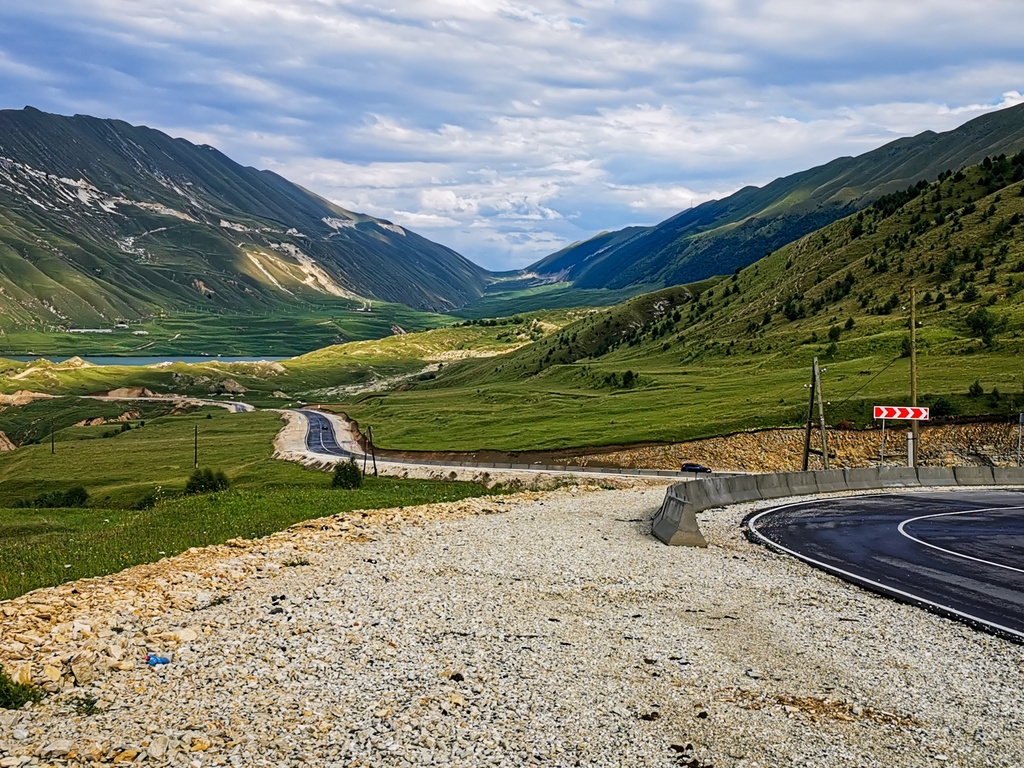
(690, 466)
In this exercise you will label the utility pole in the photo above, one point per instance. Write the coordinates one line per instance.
(810, 417)
(373, 453)
(821, 413)
(915, 426)
(815, 388)
(195, 452)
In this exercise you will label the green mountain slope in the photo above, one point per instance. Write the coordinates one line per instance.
(102, 220)
(722, 235)
(734, 353)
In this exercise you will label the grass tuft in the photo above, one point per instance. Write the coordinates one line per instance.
(16, 695)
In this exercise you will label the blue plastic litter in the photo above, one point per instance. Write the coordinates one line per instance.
(152, 659)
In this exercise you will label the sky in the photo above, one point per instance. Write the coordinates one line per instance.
(505, 129)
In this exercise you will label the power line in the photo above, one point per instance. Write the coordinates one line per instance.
(866, 383)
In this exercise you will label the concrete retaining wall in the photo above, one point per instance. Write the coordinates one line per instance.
(676, 521)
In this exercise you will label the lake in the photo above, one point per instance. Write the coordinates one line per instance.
(112, 360)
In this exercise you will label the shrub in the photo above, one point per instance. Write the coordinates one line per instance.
(206, 481)
(73, 497)
(347, 475)
(976, 390)
(15, 695)
(943, 407)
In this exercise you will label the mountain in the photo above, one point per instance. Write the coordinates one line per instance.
(720, 236)
(734, 353)
(101, 220)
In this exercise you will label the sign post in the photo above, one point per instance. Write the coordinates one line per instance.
(1020, 424)
(903, 413)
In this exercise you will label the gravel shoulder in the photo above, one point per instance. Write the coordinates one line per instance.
(538, 629)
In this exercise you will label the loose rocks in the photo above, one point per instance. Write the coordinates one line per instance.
(558, 633)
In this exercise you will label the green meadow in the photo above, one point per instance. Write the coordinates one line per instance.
(137, 511)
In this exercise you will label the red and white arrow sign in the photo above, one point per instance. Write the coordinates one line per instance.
(906, 412)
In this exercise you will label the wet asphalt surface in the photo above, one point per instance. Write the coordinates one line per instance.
(959, 552)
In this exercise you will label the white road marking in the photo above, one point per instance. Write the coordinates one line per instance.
(885, 588)
(901, 528)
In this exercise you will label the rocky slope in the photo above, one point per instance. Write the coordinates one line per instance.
(781, 450)
(538, 630)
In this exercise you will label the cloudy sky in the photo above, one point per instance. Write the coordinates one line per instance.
(507, 129)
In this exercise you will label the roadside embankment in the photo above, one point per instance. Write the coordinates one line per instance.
(781, 450)
(290, 445)
(546, 629)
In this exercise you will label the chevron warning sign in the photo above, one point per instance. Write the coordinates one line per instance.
(905, 412)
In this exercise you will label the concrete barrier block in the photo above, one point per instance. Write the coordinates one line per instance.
(974, 475)
(936, 476)
(802, 483)
(831, 481)
(773, 485)
(898, 477)
(862, 478)
(742, 488)
(1008, 475)
(675, 523)
(704, 494)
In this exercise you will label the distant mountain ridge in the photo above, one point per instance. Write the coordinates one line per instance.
(100, 220)
(720, 236)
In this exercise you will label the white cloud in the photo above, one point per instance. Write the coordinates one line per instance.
(509, 128)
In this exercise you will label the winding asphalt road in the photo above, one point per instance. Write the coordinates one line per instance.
(320, 437)
(960, 553)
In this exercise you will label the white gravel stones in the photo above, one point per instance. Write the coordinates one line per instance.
(558, 633)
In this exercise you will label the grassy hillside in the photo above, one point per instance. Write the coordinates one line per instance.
(278, 333)
(323, 374)
(727, 354)
(735, 353)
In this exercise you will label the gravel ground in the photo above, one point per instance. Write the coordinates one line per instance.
(546, 629)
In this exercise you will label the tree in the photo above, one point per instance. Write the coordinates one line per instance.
(347, 475)
(985, 324)
(834, 333)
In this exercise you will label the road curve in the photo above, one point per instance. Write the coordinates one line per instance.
(960, 553)
(321, 437)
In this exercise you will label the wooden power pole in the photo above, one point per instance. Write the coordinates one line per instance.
(915, 426)
(815, 388)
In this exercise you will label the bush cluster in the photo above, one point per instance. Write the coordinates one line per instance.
(206, 481)
(347, 475)
(72, 497)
